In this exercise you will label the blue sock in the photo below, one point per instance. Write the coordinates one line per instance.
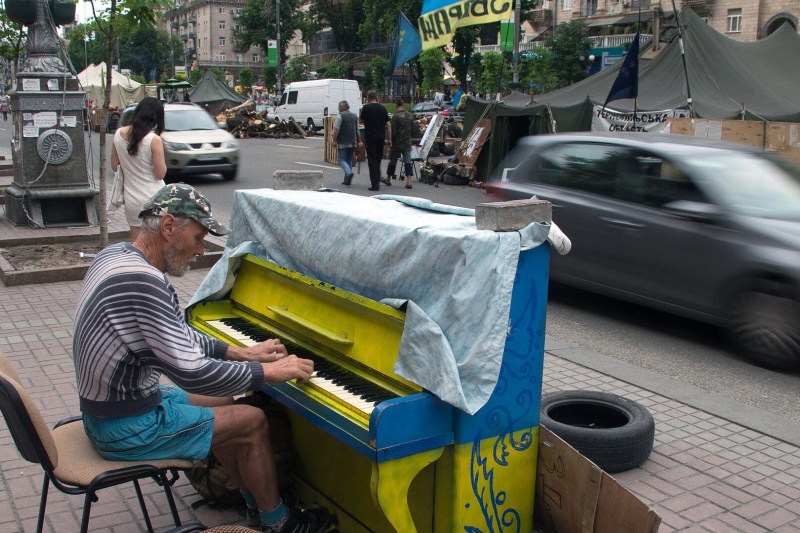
(248, 497)
(274, 516)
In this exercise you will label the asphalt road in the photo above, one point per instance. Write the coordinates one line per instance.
(687, 351)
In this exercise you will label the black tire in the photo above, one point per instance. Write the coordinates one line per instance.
(765, 324)
(613, 432)
(444, 149)
(230, 175)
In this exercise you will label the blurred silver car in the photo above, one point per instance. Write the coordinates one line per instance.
(193, 142)
(706, 230)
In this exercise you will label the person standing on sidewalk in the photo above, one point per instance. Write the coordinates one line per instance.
(402, 125)
(138, 149)
(4, 109)
(129, 329)
(345, 138)
(376, 126)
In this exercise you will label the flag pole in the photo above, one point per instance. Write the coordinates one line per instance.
(683, 58)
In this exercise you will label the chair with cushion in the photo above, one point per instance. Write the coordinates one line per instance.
(68, 457)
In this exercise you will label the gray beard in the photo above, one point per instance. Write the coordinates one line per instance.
(173, 268)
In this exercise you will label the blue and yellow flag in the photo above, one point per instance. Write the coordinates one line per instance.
(440, 18)
(407, 45)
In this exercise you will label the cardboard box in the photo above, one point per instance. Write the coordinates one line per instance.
(573, 495)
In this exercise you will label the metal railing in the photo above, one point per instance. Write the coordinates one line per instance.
(598, 41)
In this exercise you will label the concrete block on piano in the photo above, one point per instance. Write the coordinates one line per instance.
(297, 180)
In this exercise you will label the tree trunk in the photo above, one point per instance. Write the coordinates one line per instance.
(103, 205)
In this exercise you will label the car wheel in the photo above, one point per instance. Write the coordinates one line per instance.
(310, 126)
(230, 175)
(613, 432)
(765, 324)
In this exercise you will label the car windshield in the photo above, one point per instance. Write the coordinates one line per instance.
(188, 119)
(751, 184)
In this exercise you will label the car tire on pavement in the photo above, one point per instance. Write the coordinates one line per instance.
(230, 175)
(765, 324)
(613, 432)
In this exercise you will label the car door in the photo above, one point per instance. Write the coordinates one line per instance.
(578, 179)
(676, 260)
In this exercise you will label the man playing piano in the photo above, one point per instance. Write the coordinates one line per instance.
(129, 329)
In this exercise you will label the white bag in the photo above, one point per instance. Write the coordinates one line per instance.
(117, 196)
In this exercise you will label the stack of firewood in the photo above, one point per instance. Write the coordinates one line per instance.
(244, 122)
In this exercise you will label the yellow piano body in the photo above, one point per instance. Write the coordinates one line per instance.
(410, 462)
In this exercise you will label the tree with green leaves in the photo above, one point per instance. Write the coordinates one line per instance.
(257, 24)
(336, 70)
(195, 75)
(12, 42)
(85, 45)
(246, 79)
(343, 17)
(119, 18)
(148, 49)
(270, 78)
(431, 62)
(463, 44)
(535, 72)
(297, 69)
(570, 51)
(373, 75)
(495, 72)
(380, 16)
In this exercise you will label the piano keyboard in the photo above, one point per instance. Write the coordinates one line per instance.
(339, 384)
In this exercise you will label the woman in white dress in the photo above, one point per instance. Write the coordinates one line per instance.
(140, 151)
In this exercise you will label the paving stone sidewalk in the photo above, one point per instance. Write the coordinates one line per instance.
(706, 473)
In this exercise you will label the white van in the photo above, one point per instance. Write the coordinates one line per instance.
(309, 102)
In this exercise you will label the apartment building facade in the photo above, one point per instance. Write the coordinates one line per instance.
(207, 28)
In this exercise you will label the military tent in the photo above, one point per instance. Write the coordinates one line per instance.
(727, 80)
(214, 95)
(123, 89)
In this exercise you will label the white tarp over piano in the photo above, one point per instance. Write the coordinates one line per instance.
(457, 280)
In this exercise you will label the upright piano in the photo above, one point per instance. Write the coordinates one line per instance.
(377, 450)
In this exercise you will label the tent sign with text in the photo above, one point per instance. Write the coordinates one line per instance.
(440, 18)
(607, 119)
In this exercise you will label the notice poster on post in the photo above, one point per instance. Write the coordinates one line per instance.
(429, 136)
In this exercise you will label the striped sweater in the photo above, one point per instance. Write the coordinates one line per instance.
(129, 329)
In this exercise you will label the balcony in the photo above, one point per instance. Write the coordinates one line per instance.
(701, 7)
(599, 41)
(174, 25)
(192, 35)
(542, 17)
(184, 37)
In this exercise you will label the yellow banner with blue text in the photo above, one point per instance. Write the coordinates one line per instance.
(440, 18)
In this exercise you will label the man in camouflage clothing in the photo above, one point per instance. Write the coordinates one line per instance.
(402, 126)
(129, 329)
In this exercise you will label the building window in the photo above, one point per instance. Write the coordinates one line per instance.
(734, 20)
(238, 58)
(222, 41)
(256, 59)
(222, 24)
(221, 10)
(237, 27)
(221, 57)
(566, 5)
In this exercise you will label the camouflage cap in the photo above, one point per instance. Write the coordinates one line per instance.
(183, 200)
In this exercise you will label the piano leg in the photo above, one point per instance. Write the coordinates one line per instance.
(390, 482)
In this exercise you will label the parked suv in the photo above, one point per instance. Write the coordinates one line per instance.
(703, 229)
(193, 142)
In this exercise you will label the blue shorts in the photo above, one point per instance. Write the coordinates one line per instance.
(173, 430)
